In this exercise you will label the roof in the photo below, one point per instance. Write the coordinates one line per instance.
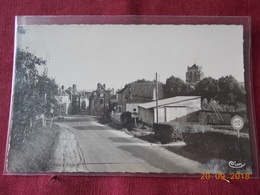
(141, 92)
(194, 66)
(100, 89)
(167, 101)
(142, 89)
(70, 92)
(122, 90)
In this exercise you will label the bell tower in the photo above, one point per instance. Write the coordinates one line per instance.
(194, 74)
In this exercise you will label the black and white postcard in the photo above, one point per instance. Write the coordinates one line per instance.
(129, 98)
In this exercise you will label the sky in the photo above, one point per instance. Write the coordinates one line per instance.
(119, 54)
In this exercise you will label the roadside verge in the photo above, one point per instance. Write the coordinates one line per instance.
(33, 153)
(66, 155)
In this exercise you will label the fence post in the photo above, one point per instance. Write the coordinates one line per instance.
(43, 121)
(51, 122)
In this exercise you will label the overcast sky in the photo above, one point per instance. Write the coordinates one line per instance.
(119, 54)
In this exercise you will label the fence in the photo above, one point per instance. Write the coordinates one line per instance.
(116, 117)
(47, 122)
(212, 118)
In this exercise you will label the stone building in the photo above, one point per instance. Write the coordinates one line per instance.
(74, 98)
(69, 100)
(134, 94)
(194, 74)
(99, 100)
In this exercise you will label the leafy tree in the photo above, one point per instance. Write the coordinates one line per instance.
(207, 88)
(175, 86)
(227, 91)
(230, 91)
(142, 81)
(33, 94)
(25, 104)
(112, 106)
(48, 89)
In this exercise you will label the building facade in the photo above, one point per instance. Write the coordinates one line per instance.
(64, 102)
(99, 100)
(69, 100)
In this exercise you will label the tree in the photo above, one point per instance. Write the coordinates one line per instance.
(33, 94)
(142, 81)
(230, 91)
(207, 88)
(175, 86)
(112, 106)
(26, 102)
(48, 89)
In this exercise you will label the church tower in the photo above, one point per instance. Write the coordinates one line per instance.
(194, 74)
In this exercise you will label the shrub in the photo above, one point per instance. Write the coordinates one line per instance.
(166, 133)
(126, 118)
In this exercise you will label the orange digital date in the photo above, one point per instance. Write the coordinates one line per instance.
(223, 176)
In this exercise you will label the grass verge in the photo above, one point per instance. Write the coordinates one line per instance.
(33, 153)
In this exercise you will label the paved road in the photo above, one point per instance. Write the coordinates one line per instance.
(108, 150)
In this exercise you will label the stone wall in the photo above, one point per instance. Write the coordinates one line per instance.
(207, 117)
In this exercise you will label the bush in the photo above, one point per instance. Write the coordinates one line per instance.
(189, 128)
(166, 133)
(126, 117)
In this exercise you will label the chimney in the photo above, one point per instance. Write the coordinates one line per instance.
(74, 88)
(98, 86)
(104, 86)
(62, 87)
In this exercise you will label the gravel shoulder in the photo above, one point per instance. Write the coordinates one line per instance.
(66, 155)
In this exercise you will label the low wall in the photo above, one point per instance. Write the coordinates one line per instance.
(116, 118)
(207, 117)
(192, 117)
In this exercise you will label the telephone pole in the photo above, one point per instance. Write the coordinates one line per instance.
(156, 88)
(71, 96)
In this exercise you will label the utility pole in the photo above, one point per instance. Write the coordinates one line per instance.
(71, 100)
(104, 104)
(156, 80)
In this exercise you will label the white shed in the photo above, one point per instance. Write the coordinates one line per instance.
(176, 108)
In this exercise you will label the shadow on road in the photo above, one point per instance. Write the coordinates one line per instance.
(76, 118)
(90, 128)
(156, 160)
(121, 140)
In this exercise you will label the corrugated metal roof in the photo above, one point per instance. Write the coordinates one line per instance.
(167, 101)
